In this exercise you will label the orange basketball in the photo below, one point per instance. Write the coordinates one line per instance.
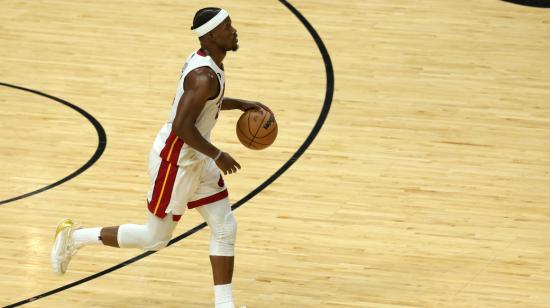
(257, 129)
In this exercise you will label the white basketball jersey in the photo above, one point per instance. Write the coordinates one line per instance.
(169, 146)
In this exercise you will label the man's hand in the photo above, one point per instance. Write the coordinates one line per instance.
(243, 105)
(227, 164)
(248, 105)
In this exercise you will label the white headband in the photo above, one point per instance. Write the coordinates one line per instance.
(212, 23)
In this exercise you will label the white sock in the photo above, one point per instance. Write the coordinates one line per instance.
(224, 296)
(89, 236)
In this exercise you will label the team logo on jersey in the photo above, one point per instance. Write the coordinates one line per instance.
(220, 182)
(184, 67)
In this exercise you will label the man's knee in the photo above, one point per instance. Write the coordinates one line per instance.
(158, 232)
(224, 235)
(156, 241)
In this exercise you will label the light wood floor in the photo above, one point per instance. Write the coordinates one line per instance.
(428, 185)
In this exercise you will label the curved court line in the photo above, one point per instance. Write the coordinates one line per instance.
(531, 3)
(316, 128)
(102, 143)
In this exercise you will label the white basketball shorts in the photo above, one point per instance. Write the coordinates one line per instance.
(174, 188)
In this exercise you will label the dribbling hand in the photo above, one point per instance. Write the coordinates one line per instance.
(248, 105)
(227, 164)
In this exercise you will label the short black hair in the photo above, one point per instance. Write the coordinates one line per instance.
(204, 15)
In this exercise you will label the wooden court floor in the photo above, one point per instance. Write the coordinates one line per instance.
(427, 186)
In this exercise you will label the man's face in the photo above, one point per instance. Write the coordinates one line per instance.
(226, 36)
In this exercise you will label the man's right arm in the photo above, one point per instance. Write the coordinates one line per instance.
(197, 89)
(199, 85)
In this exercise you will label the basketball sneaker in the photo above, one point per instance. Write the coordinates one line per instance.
(63, 247)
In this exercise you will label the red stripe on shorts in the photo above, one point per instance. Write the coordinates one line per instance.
(162, 192)
(166, 176)
(219, 196)
(172, 148)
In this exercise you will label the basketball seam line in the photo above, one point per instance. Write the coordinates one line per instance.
(248, 124)
(259, 127)
(243, 134)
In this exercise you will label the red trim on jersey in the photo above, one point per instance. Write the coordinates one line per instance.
(176, 217)
(216, 197)
(201, 53)
(162, 192)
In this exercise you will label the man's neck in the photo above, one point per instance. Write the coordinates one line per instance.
(216, 54)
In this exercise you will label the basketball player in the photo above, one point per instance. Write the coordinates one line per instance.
(184, 166)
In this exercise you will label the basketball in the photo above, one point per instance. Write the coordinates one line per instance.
(257, 129)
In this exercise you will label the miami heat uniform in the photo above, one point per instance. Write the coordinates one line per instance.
(180, 175)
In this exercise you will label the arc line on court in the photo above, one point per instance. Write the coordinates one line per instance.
(101, 144)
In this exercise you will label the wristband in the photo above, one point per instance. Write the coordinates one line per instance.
(217, 156)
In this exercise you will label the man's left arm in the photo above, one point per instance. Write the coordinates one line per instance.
(243, 105)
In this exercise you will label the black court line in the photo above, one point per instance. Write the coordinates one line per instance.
(531, 3)
(102, 143)
(307, 142)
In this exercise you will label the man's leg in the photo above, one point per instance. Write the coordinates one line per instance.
(154, 235)
(223, 227)
(222, 269)
(109, 236)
